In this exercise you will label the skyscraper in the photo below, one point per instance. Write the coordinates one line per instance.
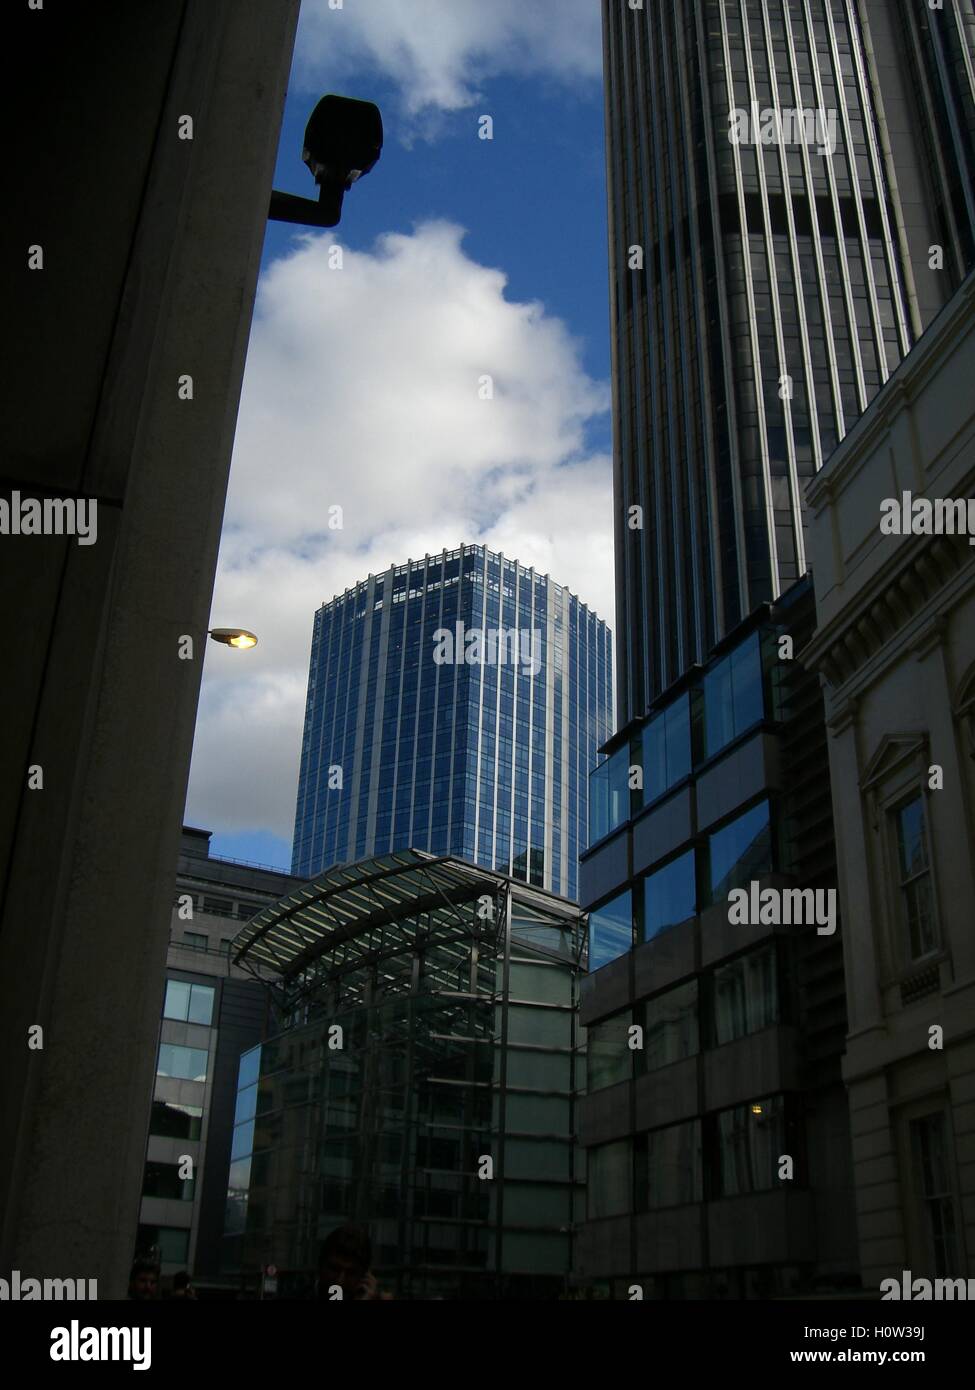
(455, 704)
(790, 203)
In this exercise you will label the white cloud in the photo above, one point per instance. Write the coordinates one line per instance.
(361, 390)
(438, 52)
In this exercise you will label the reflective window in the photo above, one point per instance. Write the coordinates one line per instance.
(750, 1139)
(188, 1003)
(185, 1063)
(609, 794)
(668, 1167)
(545, 984)
(163, 1180)
(746, 996)
(238, 1184)
(670, 1027)
(250, 1066)
(175, 1121)
(733, 696)
(171, 1242)
(610, 930)
(666, 749)
(608, 1055)
(915, 877)
(740, 852)
(246, 1104)
(669, 895)
(196, 941)
(609, 1179)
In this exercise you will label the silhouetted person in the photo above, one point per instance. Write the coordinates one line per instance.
(343, 1261)
(144, 1281)
(182, 1288)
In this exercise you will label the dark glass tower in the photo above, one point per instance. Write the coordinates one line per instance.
(763, 292)
(412, 741)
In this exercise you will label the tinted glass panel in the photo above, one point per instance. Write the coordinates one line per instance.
(609, 1179)
(186, 1063)
(670, 1027)
(745, 995)
(742, 851)
(610, 930)
(175, 1121)
(750, 1140)
(669, 895)
(608, 1055)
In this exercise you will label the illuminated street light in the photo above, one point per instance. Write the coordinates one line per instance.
(233, 637)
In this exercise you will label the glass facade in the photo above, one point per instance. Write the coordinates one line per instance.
(735, 694)
(669, 1171)
(426, 1085)
(184, 1063)
(455, 705)
(745, 995)
(188, 1003)
(740, 852)
(750, 1140)
(760, 291)
(730, 1001)
(610, 930)
(669, 895)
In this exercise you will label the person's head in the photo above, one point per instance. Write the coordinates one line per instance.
(181, 1285)
(344, 1259)
(144, 1280)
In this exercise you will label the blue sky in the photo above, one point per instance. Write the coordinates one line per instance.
(460, 255)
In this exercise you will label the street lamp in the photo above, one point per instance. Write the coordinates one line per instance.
(343, 140)
(233, 637)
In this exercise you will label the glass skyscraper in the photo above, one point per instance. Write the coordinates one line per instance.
(455, 705)
(790, 203)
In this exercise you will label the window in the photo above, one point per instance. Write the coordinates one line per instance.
(915, 877)
(171, 1242)
(668, 1167)
(666, 752)
(250, 1066)
(608, 1055)
(745, 996)
(670, 1027)
(733, 696)
(740, 852)
(163, 1180)
(750, 1139)
(669, 896)
(196, 941)
(934, 1185)
(609, 794)
(175, 1121)
(220, 907)
(610, 930)
(184, 1063)
(188, 1003)
(609, 1179)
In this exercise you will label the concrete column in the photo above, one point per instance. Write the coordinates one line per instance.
(152, 249)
